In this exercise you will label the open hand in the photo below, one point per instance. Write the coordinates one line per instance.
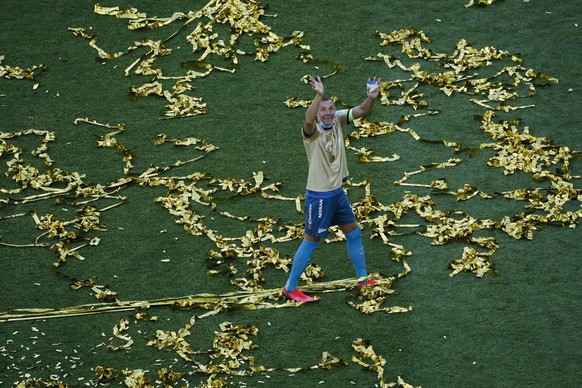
(316, 85)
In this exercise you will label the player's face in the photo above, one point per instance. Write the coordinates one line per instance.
(326, 112)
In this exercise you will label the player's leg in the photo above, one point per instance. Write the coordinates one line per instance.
(317, 222)
(301, 261)
(355, 248)
(351, 229)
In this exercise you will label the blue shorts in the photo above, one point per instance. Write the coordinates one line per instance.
(321, 213)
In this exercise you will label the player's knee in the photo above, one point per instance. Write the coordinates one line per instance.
(354, 234)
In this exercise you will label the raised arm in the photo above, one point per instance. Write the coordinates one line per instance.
(311, 114)
(365, 107)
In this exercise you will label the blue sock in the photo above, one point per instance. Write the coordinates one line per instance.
(300, 262)
(356, 252)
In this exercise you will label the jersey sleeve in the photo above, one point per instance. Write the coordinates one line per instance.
(344, 116)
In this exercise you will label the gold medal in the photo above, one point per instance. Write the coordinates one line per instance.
(333, 145)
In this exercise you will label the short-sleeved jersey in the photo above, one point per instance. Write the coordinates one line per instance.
(326, 155)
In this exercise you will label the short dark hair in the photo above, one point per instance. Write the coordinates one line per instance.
(325, 98)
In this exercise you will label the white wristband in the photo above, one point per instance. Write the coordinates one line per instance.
(372, 86)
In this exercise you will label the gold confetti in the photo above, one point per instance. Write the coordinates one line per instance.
(244, 19)
(477, 262)
(14, 72)
(479, 2)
